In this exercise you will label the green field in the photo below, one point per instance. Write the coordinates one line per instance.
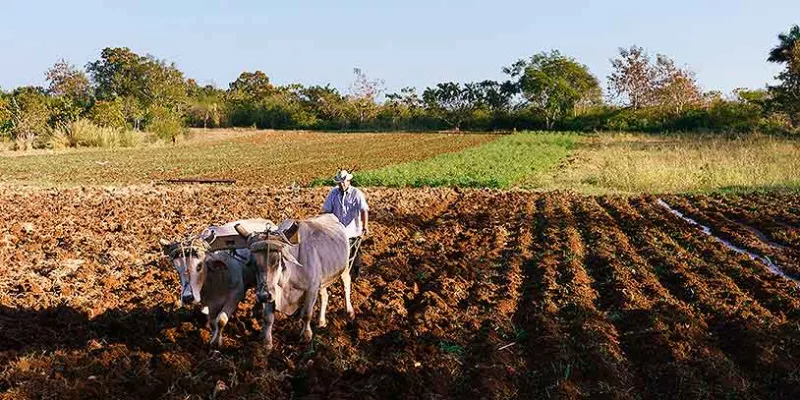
(498, 164)
(596, 163)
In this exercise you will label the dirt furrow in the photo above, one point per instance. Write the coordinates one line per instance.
(778, 295)
(769, 223)
(576, 350)
(651, 322)
(746, 332)
(705, 368)
(737, 234)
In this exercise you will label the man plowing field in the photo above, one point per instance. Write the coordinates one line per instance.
(349, 205)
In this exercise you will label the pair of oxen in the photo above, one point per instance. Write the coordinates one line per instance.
(289, 265)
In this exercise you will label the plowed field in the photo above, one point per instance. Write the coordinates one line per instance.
(464, 294)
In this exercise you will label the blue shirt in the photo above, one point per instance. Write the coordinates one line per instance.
(347, 208)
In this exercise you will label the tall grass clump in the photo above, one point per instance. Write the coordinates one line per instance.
(83, 133)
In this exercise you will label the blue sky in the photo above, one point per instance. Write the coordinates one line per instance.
(405, 43)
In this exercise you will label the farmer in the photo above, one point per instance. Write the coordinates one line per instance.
(348, 204)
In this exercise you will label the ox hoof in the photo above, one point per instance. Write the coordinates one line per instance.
(322, 323)
(306, 338)
(351, 314)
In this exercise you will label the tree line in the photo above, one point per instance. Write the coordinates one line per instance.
(547, 91)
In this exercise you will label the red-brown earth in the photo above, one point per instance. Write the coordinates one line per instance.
(464, 294)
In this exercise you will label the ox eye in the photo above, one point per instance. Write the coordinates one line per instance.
(199, 266)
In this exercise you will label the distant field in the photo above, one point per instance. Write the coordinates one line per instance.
(259, 158)
(592, 164)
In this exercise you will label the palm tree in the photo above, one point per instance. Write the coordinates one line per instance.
(781, 52)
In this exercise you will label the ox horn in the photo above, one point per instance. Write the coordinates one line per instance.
(241, 230)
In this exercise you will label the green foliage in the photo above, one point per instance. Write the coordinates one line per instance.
(166, 123)
(498, 164)
(452, 348)
(546, 91)
(122, 73)
(207, 107)
(147, 85)
(782, 53)
(108, 113)
(29, 113)
(451, 102)
(786, 95)
(554, 84)
(69, 82)
(5, 116)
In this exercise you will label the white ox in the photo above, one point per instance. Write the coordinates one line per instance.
(296, 262)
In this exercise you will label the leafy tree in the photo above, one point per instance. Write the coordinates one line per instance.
(146, 84)
(29, 114)
(205, 105)
(554, 84)
(451, 102)
(675, 88)
(786, 95)
(400, 109)
(326, 104)
(633, 77)
(782, 53)
(108, 113)
(252, 85)
(70, 91)
(5, 115)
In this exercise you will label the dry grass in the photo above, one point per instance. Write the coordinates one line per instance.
(631, 163)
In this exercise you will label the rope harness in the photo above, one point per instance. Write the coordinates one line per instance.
(355, 245)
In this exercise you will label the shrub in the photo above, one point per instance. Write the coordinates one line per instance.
(166, 124)
(108, 114)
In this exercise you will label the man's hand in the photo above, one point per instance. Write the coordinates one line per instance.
(366, 231)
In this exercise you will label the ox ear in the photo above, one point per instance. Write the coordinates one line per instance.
(216, 265)
(165, 245)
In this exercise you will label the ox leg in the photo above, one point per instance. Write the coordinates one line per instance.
(323, 305)
(222, 318)
(346, 282)
(269, 319)
(214, 319)
(308, 312)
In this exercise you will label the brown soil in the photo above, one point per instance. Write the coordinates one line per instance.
(464, 294)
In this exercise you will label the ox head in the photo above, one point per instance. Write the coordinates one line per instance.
(274, 261)
(188, 259)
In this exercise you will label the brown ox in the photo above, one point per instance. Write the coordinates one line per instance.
(213, 276)
(296, 262)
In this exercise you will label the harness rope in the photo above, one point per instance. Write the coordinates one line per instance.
(356, 244)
